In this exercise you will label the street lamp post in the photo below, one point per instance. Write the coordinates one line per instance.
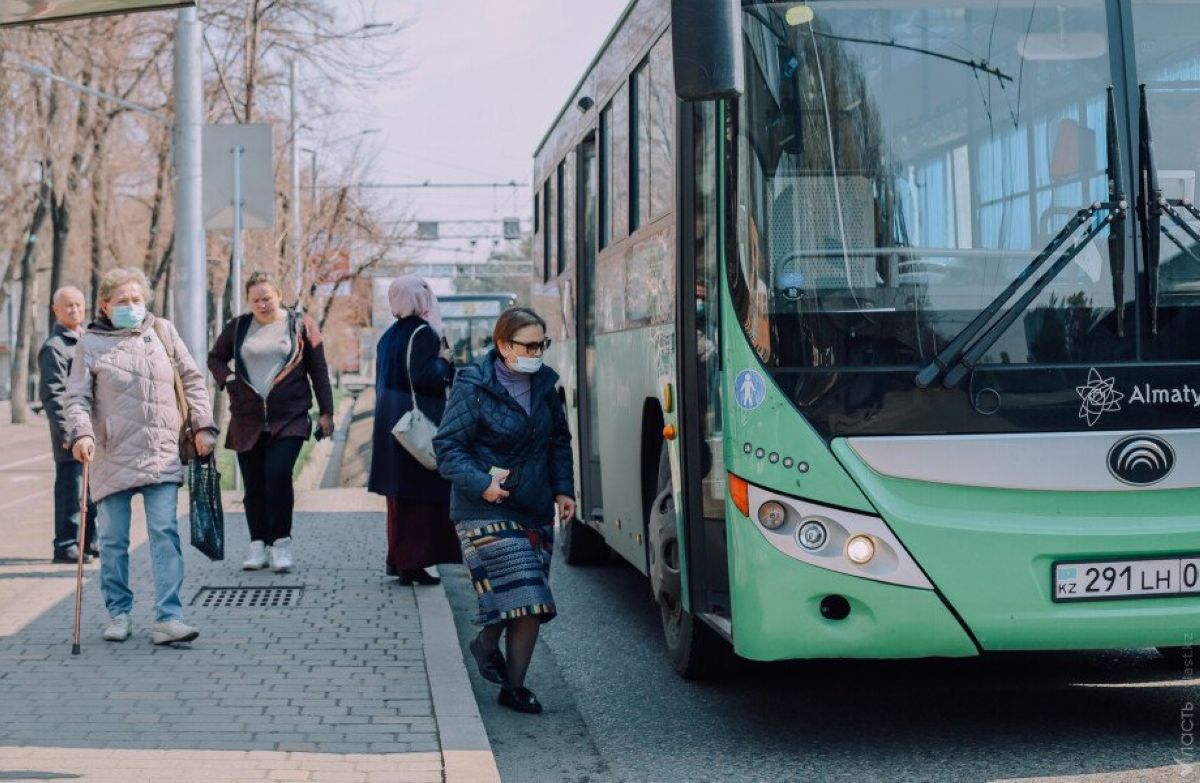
(191, 274)
(313, 176)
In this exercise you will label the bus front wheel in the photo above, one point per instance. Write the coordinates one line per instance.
(694, 649)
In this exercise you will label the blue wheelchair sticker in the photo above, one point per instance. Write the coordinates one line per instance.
(749, 389)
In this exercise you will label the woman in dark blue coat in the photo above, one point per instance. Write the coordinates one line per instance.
(505, 446)
(419, 530)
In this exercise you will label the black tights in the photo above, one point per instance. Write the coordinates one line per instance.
(519, 642)
(267, 472)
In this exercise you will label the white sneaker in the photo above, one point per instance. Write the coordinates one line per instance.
(118, 628)
(171, 631)
(281, 555)
(256, 556)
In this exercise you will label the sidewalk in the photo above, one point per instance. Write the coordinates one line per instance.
(357, 679)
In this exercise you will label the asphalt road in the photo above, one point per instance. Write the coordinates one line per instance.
(616, 711)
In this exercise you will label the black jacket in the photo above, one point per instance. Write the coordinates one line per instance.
(285, 411)
(484, 427)
(54, 365)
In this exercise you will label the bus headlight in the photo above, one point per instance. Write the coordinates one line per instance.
(860, 549)
(812, 535)
(772, 515)
(828, 537)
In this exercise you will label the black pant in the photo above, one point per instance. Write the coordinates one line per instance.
(68, 484)
(267, 471)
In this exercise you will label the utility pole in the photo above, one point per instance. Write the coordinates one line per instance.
(190, 281)
(295, 199)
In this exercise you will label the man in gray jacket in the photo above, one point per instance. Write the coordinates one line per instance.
(54, 365)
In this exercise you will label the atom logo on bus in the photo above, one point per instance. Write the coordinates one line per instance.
(749, 389)
(1098, 397)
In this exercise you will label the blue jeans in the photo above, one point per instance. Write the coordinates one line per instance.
(166, 557)
(68, 484)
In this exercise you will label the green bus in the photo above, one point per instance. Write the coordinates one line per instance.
(469, 320)
(878, 322)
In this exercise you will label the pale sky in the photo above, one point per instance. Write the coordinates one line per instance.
(486, 78)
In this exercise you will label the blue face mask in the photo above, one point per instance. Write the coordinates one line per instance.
(128, 316)
(528, 364)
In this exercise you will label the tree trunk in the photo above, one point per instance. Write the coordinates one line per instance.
(97, 220)
(160, 280)
(156, 209)
(60, 219)
(20, 366)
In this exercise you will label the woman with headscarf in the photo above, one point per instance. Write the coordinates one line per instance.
(419, 530)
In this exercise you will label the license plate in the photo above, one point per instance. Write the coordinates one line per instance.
(1126, 579)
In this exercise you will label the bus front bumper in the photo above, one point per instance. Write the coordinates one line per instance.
(991, 553)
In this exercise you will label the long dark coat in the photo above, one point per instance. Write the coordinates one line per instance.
(485, 427)
(394, 472)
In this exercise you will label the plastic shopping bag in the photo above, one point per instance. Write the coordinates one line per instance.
(207, 516)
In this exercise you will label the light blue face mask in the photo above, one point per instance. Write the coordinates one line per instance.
(528, 364)
(128, 316)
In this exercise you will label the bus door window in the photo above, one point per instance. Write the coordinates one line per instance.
(586, 224)
(707, 303)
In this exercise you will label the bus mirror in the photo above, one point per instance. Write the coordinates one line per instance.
(707, 49)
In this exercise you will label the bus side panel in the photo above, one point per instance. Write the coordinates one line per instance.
(633, 362)
(766, 441)
(554, 301)
(561, 358)
(777, 609)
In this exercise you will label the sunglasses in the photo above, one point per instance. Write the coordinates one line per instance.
(533, 347)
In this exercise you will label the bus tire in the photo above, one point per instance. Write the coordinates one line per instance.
(582, 545)
(696, 651)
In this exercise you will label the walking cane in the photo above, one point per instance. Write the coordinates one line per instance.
(83, 498)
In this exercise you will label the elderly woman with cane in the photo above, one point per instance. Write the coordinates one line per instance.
(505, 445)
(124, 422)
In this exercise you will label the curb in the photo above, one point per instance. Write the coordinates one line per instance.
(466, 753)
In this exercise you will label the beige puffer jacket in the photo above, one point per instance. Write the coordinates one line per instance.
(121, 392)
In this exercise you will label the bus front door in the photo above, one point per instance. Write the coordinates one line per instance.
(592, 506)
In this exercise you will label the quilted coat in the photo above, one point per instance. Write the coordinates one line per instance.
(285, 412)
(394, 472)
(121, 392)
(484, 427)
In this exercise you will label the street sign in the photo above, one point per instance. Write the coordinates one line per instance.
(14, 12)
(257, 176)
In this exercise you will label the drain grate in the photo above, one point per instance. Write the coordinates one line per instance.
(248, 597)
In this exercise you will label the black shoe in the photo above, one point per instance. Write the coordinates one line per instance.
(390, 569)
(418, 576)
(71, 555)
(519, 699)
(92, 550)
(491, 665)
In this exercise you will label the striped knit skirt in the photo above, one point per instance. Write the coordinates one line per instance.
(509, 565)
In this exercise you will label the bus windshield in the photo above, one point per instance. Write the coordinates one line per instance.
(898, 166)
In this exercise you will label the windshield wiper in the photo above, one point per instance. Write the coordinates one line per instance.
(1150, 205)
(967, 347)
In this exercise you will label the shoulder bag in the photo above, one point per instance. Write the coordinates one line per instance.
(415, 430)
(187, 438)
